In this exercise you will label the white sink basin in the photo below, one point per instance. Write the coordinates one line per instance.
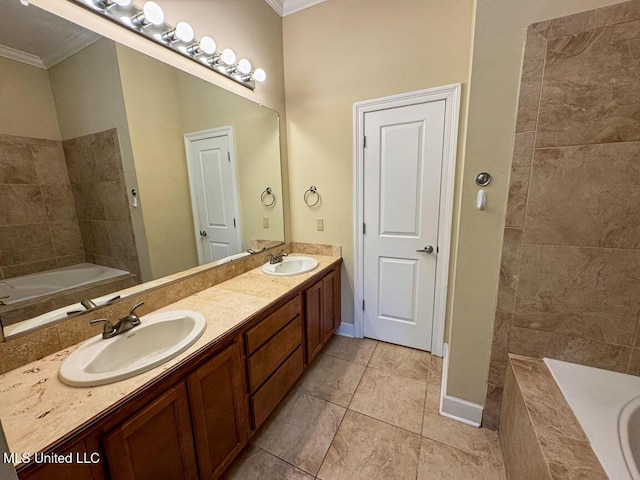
(292, 265)
(159, 338)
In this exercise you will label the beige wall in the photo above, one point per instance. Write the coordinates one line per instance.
(344, 51)
(27, 103)
(497, 56)
(152, 100)
(88, 97)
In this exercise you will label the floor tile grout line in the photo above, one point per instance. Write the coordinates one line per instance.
(483, 459)
(424, 402)
(282, 459)
(397, 374)
(347, 410)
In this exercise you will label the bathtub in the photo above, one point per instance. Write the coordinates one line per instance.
(607, 406)
(27, 287)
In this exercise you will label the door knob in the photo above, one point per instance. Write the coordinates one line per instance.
(427, 249)
(203, 233)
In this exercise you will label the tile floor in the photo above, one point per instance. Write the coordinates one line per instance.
(368, 410)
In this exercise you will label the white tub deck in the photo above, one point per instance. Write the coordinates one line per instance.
(597, 398)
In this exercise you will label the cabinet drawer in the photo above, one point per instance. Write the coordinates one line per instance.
(262, 332)
(269, 357)
(274, 389)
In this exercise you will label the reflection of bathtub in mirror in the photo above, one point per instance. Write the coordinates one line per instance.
(27, 287)
(55, 315)
(55, 292)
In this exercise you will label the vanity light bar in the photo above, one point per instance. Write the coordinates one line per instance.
(148, 21)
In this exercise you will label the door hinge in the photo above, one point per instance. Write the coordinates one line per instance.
(362, 304)
(234, 223)
(229, 156)
(364, 228)
(364, 141)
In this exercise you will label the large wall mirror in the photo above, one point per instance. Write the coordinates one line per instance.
(117, 169)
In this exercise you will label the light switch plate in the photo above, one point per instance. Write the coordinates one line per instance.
(265, 222)
(320, 224)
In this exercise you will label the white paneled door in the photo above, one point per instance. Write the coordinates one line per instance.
(214, 195)
(402, 174)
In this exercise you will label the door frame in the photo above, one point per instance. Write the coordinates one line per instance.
(451, 95)
(201, 135)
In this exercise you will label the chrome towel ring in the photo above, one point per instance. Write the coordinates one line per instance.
(265, 194)
(311, 191)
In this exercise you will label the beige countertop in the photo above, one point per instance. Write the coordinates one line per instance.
(37, 409)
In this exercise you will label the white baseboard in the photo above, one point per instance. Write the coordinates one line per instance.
(461, 410)
(456, 408)
(345, 329)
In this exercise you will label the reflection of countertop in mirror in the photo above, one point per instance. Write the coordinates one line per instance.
(36, 409)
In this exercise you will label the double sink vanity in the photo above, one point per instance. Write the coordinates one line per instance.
(179, 395)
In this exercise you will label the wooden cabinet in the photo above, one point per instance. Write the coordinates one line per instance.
(275, 359)
(218, 412)
(331, 312)
(322, 312)
(157, 442)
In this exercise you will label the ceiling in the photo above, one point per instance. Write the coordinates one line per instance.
(30, 35)
(287, 7)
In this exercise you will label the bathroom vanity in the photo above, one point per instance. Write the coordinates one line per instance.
(190, 417)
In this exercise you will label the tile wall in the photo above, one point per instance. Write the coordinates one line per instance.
(570, 273)
(99, 190)
(38, 220)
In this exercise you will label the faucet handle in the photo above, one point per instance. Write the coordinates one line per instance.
(133, 309)
(283, 253)
(108, 330)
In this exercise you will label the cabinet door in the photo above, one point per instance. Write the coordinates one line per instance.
(330, 304)
(218, 410)
(313, 305)
(156, 442)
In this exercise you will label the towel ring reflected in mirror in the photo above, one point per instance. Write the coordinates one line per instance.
(307, 195)
(268, 192)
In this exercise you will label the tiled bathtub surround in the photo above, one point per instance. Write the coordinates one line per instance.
(97, 181)
(539, 434)
(570, 268)
(156, 294)
(38, 222)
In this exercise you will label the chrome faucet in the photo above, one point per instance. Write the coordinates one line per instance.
(89, 305)
(277, 258)
(124, 324)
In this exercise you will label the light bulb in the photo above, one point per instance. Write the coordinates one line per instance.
(259, 75)
(184, 32)
(153, 13)
(208, 45)
(228, 56)
(244, 66)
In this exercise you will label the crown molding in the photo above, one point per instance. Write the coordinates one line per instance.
(70, 47)
(277, 5)
(20, 56)
(293, 6)
(287, 7)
